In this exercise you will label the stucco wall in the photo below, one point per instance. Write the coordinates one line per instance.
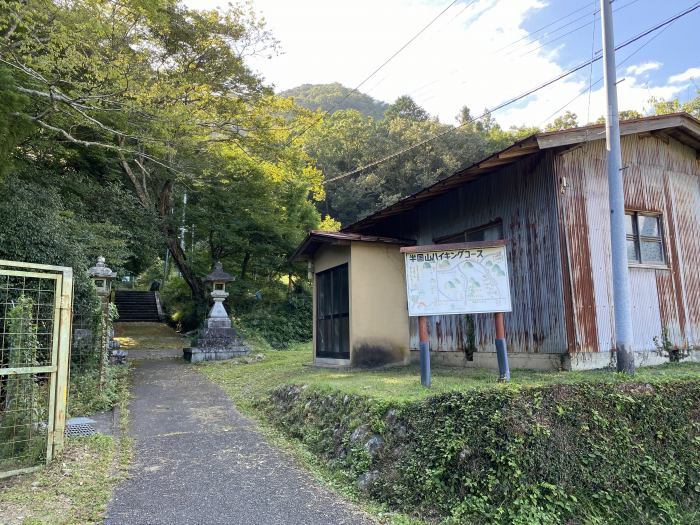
(379, 329)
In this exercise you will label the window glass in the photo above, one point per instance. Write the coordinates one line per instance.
(490, 232)
(632, 251)
(652, 252)
(648, 226)
(644, 238)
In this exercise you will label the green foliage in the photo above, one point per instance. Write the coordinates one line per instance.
(335, 97)
(347, 140)
(665, 346)
(565, 121)
(12, 127)
(624, 453)
(88, 396)
(281, 324)
(25, 395)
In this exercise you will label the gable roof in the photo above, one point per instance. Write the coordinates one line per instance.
(316, 238)
(681, 126)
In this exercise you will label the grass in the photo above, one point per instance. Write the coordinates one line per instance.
(248, 382)
(77, 486)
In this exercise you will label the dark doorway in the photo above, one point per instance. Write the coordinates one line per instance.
(333, 313)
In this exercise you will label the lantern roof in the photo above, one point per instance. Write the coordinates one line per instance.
(101, 270)
(218, 274)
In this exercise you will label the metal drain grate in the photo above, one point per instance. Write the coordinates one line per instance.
(80, 426)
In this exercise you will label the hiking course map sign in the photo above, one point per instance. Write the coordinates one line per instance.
(461, 280)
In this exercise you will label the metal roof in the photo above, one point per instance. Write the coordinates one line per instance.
(316, 238)
(681, 126)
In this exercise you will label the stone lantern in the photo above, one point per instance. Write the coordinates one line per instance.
(218, 339)
(218, 317)
(102, 276)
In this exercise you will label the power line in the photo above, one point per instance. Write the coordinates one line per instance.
(527, 44)
(517, 98)
(600, 79)
(595, 17)
(354, 90)
(546, 26)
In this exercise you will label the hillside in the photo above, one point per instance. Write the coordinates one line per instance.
(331, 97)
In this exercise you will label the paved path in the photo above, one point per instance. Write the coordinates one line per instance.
(199, 461)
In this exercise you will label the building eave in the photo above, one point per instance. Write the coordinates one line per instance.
(316, 238)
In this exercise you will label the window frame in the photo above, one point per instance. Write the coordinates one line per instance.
(637, 238)
(463, 236)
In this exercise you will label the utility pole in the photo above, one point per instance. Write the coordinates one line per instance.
(620, 277)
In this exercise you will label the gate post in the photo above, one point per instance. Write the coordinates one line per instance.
(63, 362)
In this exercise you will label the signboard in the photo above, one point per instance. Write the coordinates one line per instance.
(457, 279)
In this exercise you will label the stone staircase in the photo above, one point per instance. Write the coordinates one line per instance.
(137, 306)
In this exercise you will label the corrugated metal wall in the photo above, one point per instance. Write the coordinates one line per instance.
(523, 198)
(660, 176)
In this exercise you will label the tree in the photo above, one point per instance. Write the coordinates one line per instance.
(335, 97)
(155, 85)
(566, 121)
(406, 108)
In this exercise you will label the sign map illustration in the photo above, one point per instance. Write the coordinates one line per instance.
(460, 281)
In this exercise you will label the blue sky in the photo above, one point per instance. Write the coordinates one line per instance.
(465, 57)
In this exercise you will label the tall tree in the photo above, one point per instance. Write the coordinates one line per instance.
(155, 84)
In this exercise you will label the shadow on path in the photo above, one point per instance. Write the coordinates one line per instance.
(199, 461)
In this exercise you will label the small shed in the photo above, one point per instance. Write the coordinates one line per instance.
(547, 197)
(359, 299)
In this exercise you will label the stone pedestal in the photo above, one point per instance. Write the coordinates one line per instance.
(218, 339)
(214, 344)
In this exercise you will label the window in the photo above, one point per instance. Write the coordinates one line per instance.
(333, 313)
(488, 232)
(644, 238)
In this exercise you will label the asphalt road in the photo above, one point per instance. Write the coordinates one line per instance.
(199, 461)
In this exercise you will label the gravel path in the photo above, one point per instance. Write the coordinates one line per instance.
(199, 461)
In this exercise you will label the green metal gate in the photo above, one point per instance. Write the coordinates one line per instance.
(35, 339)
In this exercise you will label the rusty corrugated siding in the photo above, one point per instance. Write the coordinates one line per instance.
(660, 176)
(523, 197)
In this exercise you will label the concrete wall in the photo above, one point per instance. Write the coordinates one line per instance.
(325, 258)
(379, 328)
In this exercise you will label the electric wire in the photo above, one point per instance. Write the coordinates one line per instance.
(600, 79)
(567, 73)
(377, 70)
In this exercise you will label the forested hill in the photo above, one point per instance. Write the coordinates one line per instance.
(335, 97)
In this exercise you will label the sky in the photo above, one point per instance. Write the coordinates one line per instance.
(481, 53)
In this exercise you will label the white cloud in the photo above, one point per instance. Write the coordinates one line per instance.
(688, 74)
(640, 69)
(455, 62)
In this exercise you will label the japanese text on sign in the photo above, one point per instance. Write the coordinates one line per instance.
(458, 281)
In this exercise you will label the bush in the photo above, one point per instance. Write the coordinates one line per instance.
(281, 324)
(584, 453)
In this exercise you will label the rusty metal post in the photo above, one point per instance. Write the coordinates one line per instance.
(501, 349)
(424, 351)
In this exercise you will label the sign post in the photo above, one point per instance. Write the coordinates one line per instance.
(463, 278)
(424, 346)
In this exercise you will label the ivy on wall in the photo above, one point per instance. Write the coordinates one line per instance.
(582, 453)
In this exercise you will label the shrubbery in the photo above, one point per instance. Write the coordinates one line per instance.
(581, 453)
(281, 324)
